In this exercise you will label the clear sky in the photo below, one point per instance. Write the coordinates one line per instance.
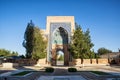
(102, 17)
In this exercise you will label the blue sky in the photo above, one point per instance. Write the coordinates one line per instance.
(102, 17)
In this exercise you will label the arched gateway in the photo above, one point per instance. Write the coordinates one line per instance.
(59, 30)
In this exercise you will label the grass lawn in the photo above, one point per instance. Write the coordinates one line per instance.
(22, 73)
(99, 73)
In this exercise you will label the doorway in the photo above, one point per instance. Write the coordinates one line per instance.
(60, 47)
(60, 58)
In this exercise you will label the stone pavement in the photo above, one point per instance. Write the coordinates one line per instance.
(32, 76)
(61, 78)
(62, 71)
(4, 71)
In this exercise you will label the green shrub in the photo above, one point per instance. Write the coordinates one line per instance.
(100, 73)
(49, 69)
(21, 73)
(72, 70)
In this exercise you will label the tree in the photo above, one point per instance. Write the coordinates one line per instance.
(118, 49)
(88, 45)
(81, 44)
(103, 50)
(5, 53)
(39, 47)
(28, 39)
(14, 53)
(22, 56)
(34, 42)
(77, 46)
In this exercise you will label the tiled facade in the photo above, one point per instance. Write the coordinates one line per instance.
(59, 30)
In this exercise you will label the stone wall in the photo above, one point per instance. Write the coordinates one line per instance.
(26, 62)
(42, 62)
(9, 65)
(94, 61)
(75, 62)
(85, 62)
(102, 61)
(117, 60)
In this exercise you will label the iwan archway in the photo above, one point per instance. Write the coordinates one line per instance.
(60, 29)
(59, 44)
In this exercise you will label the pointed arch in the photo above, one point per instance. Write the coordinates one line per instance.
(59, 41)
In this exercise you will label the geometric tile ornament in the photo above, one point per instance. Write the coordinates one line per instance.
(53, 28)
(59, 30)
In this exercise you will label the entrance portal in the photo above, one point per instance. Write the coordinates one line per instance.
(60, 46)
(58, 33)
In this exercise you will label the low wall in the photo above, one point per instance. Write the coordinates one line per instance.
(117, 61)
(86, 61)
(79, 62)
(102, 61)
(42, 62)
(75, 62)
(9, 65)
(26, 62)
(94, 61)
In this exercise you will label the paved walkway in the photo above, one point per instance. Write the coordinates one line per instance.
(62, 71)
(61, 78)
(4, 71)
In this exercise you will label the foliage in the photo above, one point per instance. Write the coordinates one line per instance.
(103, 50)
(88, 45)
(22, 56)
(81, 44)
(97, 55)
(49, 69)
(118, 49)
(39, 47)
(34, 42)
(76, 46)
(61, 58)
(72, 70)
(100, 73)
(28, 39)
(4, 52)
(21, 73)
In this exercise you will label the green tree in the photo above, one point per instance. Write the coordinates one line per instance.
(39, 47)
(22, 56)
(5, 53)
(34, 43)
(88, 45)
(103, 50)
(28, 39)
(81, 44)
(14, 53)
(61, 58)
(77, 43)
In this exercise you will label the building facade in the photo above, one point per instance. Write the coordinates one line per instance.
(59, 30)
